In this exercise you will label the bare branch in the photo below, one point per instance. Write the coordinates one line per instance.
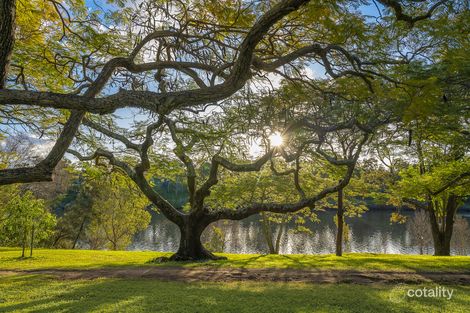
(401, 16)
(123, 139)
(180, 152)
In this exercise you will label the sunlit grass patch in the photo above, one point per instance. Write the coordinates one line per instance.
(90, 259)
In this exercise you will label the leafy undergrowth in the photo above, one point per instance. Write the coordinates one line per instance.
(89, 259)
(39, 293)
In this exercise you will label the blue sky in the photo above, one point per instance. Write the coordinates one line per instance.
(95, 4)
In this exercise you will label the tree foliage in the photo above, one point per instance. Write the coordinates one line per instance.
(25, 221)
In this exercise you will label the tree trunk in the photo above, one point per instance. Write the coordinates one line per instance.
(57, 239)
(267, 232)
(79, 233)
(339, 220)
(32, 242)
(441, 245)
(442, 232)
(24, 243)
(191, 248)
(7, 36)
(278, 239)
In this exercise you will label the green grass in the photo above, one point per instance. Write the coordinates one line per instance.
(41, 293)
(70, 259)
(77, 259)
(38, 293)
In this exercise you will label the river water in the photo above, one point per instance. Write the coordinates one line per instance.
(372, 232)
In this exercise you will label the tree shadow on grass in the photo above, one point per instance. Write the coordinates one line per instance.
(353, 262)
(371, 262)
(42, 294)
(236, 263)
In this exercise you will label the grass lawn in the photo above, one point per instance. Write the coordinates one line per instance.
(42, 293)
(39, 293)
(79, 259)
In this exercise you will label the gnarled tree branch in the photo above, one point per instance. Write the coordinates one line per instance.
(251, 209)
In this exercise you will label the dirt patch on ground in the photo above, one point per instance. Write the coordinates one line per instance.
(238, 274)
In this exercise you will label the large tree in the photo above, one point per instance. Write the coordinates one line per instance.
(212, 152)
(189, 61)
(209, 155)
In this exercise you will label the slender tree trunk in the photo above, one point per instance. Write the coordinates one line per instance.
(7, 36)
(191, 247)
(24, 243)
(267, 233)
(32, 242)
(78, 234)
(56, 240)
(339, 219)
(279, 236)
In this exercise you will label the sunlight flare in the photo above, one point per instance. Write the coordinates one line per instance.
(276, 139)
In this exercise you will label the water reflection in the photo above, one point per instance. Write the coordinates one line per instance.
(371, 233)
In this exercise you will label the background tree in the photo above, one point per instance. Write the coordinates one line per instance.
(434, 124)
(118, 212)
(350, 200)
(26, 221)
(101, 209)
(440, 191)
(74, 212)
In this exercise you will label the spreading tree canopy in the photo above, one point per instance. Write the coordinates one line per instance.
(193, 77)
